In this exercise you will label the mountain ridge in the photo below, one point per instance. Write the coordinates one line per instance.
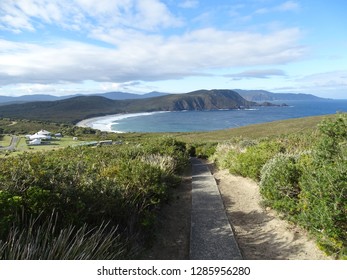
(263, 95)
(114, 95)
(250, 95)
(78, 108)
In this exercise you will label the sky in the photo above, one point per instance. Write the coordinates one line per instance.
(63, 47)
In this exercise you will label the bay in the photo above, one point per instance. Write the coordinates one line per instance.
(187, 121)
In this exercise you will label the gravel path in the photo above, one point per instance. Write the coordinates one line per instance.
(261, 234)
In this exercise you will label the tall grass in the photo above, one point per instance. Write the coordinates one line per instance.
(45, 241)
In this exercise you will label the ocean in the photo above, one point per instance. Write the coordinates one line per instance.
(187, 121)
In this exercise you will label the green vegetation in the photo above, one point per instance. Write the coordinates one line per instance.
(302, 176)
(5, 140)
(22, 127)
(104, 193)
(256, 131)
(78, 108)
(110, 196)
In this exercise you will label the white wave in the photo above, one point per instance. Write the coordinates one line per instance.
(105, 123)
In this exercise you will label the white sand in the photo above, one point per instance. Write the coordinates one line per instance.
(105, 123)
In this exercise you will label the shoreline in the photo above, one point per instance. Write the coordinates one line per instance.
(104, 123)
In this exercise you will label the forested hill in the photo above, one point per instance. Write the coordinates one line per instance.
(263, 95)
(75, 109)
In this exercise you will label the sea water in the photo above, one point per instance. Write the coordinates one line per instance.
(186, 121)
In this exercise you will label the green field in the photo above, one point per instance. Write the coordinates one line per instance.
(300, 165)
(276, 128)
(5, 140)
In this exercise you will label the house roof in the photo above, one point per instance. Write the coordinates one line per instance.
(43, 132)
(39, 136)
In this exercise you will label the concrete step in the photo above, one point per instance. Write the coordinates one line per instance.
(212, 237)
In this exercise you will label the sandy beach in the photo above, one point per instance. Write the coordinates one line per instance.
(105, 123)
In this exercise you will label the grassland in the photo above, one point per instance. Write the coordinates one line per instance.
(5, 140)
(309, 159)
(271, 129)
(23, 147)
(276, 128)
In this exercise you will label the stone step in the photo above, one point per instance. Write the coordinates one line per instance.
(211, 237)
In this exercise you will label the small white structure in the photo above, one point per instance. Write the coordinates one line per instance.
(39, 136)
(35, 142)
(74, 138)
(43, 132)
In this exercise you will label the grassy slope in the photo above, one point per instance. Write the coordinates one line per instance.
(256, 131)
(252, 131)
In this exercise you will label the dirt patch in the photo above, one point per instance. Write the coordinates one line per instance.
(261, 234)
(172, 233)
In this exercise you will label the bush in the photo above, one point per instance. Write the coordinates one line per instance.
(323, 199)
(124, 185)
(303, 176)
(279, 184)
(205, 150)
(250, 162)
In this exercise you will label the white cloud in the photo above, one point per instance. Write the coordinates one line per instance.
(21, 15)
(257, 74)
(333, 79)
(83, 14)
(292, 6)
(189, 4)
(288, 6)
(331, 84)
(152, 14)
(137, 56)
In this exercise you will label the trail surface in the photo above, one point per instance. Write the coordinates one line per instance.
(260, 233)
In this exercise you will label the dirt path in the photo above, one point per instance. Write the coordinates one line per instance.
(172, 233)
(260, 233)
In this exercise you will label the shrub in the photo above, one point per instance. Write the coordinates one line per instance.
(169, 146)
(205, 150)
(250, 162)
(279, 184)
(124, 185)
(324, 188)
(225, 154)
(324, 205)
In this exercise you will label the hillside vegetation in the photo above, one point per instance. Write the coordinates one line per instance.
(84, 203)
(302, 176)
(110, 196)
(78, 108)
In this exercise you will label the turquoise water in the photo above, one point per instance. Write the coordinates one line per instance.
(214, 120)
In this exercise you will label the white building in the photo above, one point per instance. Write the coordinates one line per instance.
(41, 135)
(35, 142)
(43, 132)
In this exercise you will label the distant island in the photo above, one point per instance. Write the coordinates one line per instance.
(77, 108)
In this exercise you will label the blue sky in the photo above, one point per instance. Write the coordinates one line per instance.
(63, 47)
